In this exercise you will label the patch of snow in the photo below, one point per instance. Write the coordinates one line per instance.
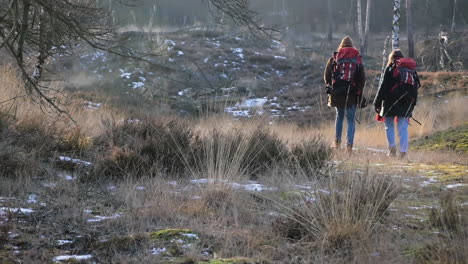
(304, 187)
(171, 60)
(49, 184)
(76, 161)
(453, 186)
(174, 183)
(63, 242)
(223, 75)
(199, 181)
(137, 85)
(206, 60)
(69, 257)
(32, 198)
(158, 251)
(12, 235)
(254, 102)
(99, 218)
(196, 197)
(239, 52)
(125, 75)
(420, 207)
(253, 187)
(140, 188)
(237, 113)
(428, 182)
(91, 105)
(3, 210)
(180, 53)
(190, 235)
(279, 57)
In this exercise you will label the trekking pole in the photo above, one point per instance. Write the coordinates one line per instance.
(414, 119)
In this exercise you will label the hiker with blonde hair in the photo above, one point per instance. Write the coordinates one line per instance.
(396, 99)
(344, 77)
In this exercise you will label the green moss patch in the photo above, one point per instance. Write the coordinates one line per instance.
(231, 261)
(454, 139)
(166, 235)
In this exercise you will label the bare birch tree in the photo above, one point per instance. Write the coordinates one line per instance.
(330, 21)
(454, 13)
(396, 25)
(409, 27)
(34, 31)
(367, 28)
(359, 22)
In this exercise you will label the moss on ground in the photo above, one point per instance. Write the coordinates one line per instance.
(454, 139)
(231, 261)
(171, 234)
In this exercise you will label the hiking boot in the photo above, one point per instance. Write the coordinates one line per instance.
(336, 145)
(349, 149)
(391, 152)
(402, 155)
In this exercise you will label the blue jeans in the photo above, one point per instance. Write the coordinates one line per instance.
(340, 115)
(402, 132)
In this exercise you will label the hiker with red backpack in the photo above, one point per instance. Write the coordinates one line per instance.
(344, 77)
(396, 99)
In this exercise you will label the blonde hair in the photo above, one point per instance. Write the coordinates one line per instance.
(394, 55)
(346, 42)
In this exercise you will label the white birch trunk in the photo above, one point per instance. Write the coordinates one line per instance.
(359, 21)
(409, 27)
(330, 22)
(396, 25)
(367, 28)
(384, 59)
(454, 12)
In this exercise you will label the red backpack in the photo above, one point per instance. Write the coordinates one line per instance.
(404, 69)
(346, 61)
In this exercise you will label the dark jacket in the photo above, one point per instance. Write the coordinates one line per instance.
(348, 99)
(391, 105)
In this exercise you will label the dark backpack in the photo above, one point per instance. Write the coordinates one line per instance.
(345, 64)
(404, 69)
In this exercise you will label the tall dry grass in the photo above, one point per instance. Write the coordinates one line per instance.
(339, 214)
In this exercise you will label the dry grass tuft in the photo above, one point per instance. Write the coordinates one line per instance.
(342, 213)
(449, 215)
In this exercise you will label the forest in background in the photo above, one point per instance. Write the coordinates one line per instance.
(304, 15)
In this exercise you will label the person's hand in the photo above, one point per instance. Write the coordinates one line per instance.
(377, 109)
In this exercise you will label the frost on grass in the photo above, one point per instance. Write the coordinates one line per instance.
(4, 210)
(76, 161)
(72, 257)
(99, 218)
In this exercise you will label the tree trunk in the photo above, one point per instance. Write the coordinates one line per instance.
(426, 13)
(384, 59)
(453, 16)
(409, 27)
(367, 27)
(359, 22)
(396, 25)
(330, 22)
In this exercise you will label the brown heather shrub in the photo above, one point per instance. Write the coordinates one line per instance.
(14, 162)
(35, 134)
(138, 148)
(310, 155)
(74, 141)
(119, 163)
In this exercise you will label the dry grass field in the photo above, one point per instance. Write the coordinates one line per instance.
(120, 186)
